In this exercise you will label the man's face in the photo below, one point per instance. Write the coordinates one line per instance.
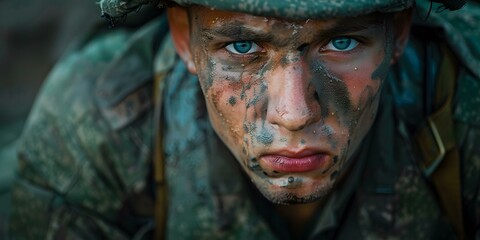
(291, 100)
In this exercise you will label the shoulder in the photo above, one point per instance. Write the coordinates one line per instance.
(68, 125)
(73, 79)
(63, 100)
(459, 30)
(87, 145)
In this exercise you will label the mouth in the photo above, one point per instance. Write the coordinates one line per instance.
(295, 162)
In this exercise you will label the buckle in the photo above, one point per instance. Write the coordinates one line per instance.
(430, 166)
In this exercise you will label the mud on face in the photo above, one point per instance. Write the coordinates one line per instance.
(291, 100)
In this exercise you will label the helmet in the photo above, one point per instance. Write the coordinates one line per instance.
(292, 9)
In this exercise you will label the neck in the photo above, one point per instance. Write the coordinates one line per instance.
(297, 216)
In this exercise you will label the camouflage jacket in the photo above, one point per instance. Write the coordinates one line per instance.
(85, 157)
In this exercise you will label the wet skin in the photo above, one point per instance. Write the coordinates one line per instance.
(291, 100)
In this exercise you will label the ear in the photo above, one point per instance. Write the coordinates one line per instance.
(402, 22)
(180, 31)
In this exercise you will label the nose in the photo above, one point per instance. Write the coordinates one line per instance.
(292, 104)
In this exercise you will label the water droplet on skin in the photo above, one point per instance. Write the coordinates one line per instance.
(314, 132)
(291, 179)
(355, 69)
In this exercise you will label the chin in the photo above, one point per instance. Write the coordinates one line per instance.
(302, 190)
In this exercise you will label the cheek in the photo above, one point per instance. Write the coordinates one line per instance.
(358, 75)
(363, 90)
(361, 87)
(225, 95)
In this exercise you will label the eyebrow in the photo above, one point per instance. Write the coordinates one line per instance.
(349, 25)
(237, 30)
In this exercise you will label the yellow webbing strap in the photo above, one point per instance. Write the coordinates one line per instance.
(436, 142)
(159, 162)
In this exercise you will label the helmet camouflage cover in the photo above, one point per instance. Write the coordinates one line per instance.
(292, 9)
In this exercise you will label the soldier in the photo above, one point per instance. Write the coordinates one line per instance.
(260, 120)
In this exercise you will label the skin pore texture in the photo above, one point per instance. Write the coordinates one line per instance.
(291, 100)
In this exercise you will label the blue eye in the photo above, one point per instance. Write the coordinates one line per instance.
(342, 44)
(243, 47)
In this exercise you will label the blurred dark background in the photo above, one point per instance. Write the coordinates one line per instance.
(34, 34)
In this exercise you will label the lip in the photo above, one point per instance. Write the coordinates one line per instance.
(295, 162)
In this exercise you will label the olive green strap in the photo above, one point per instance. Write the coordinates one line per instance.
(436, 143)
(159, 162)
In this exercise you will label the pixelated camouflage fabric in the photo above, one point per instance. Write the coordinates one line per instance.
(292, 9)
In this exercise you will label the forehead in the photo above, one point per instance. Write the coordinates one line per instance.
(206, 19)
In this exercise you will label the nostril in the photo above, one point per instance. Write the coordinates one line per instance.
(302, 47)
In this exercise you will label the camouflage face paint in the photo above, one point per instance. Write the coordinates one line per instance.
(332, 93)
(232, 100)
(264, 137)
